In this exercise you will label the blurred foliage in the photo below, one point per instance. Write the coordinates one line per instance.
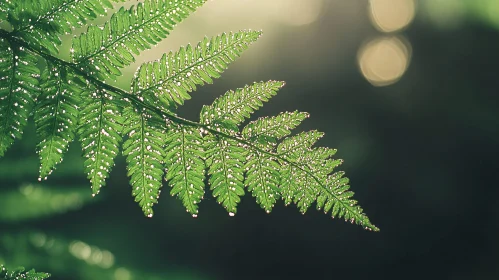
(453, 13)
(70, 259)
(19, 273)
(34, 201)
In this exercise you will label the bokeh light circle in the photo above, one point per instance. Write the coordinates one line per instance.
(383, 60)
(391, 15)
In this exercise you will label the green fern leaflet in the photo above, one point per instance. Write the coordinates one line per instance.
(72, 100)
(18, 90)
(100, 127)
(56, 115)
(145, 153)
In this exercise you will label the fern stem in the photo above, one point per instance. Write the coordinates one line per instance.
(103, 85)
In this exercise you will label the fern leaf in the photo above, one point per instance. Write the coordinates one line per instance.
(299, 143)
(176, 74)
(305, 178)
(262, 179)
(306, 193)
(99, 132)
(289, 183)
(225, 158)
(18, 90)
(262, 171)
(20, 273)
(336, 197)
(103, 51)
(145, 156)
(269, 129)
(225, 161)
(294, 181)
(319, 161)
(42, 22)
(56, 115)
(5, 7)
(19, 13)
(298, 186)
(235, 106)
(185, 166)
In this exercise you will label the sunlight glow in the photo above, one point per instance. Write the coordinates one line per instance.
(384, 60)
(287, 12)
(391, 15)
(296, 12)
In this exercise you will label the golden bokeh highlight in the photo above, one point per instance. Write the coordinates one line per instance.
(391, 15)
(384, 60)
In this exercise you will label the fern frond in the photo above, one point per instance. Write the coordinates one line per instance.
(176, 74)
(262, 179)
(262, 170)
(293, 179)
(103, 51)
(42, 22)
(297, 185)
(299, 143)
(305, 178)
(336, 197)
(20, 273)
(320, 162)
(56, 115)
(18, 90)
(225, 161)
(144, 150)
(290, 183)
(99, 131)
(5, 7)
(185, 165)
(235, 106)
(267, 130)
(226, 157)
(76, 97)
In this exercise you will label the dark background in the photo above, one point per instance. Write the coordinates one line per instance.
(422, 155)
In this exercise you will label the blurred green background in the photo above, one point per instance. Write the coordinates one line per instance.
(405, 89)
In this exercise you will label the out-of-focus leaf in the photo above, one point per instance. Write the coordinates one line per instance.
(74, 259)
(20, 273)
(35, 201)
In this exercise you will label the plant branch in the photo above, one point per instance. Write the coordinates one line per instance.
(173, 117)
